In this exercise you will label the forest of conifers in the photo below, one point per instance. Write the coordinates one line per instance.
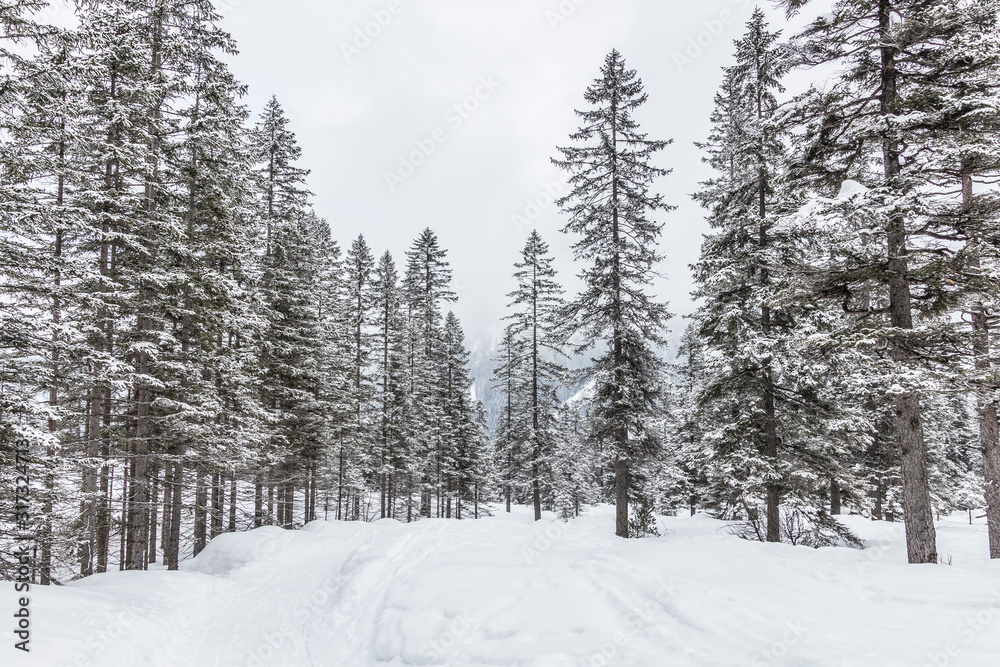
(188, 349)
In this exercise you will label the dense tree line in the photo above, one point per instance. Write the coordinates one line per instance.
(191, 352)
(183, 338)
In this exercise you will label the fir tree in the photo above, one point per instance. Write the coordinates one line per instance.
(390, 380)
(359, 266)
(535, 339)
(426, 287)
(510, 429)
(885, 262)
(609, 207)
(291, 345)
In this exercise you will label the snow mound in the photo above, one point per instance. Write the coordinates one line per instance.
(505, 591)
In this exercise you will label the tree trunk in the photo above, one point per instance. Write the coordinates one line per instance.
(258, 501)
(989, 429)
(835, 498)
(154, 506)
(921, 540)
(173, 546)
(200, 507)
(103, 541)
(621, 498)
(168, 485)
(88, 511)
(218, 502)
(232, 503)
(771, 453)
(123, 541)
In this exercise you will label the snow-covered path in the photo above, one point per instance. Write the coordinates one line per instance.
(505, 591)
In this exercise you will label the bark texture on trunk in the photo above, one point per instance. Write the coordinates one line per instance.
(621, 498)
(921, 538)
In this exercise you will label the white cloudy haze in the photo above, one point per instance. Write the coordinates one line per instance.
(516, 69)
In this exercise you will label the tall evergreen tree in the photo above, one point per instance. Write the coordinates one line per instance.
(426, 288)
(755, 387)
(510, 429)
(964, 134)
(291, 345)
(390, 380)
(872, 127)
(610, 204)
(359, 266)
(535, 334)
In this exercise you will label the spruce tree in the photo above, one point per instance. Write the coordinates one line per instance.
(291, 344)
(537, 348)
(208, 409)
(883, 260)
(359, 266)
(510, 429)
(426, 288)
(964, 134)
(609, 207)
(755, 387)
(390, 380)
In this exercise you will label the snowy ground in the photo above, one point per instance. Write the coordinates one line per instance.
(505, 591)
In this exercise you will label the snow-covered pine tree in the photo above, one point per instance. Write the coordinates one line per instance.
(208, 410)
(461, 434)
(510, 428)
(38, 94)
(575, 464)
(965, 136)
(537, 349)
(119, 155)
(609, 207)
(426, 288)
(755, 388)
(336, 375)
(734, 275)
(883, 260)
(389, 351)
(355, 453)
(291, 344)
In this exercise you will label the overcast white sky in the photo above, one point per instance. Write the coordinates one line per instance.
(358, 107)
